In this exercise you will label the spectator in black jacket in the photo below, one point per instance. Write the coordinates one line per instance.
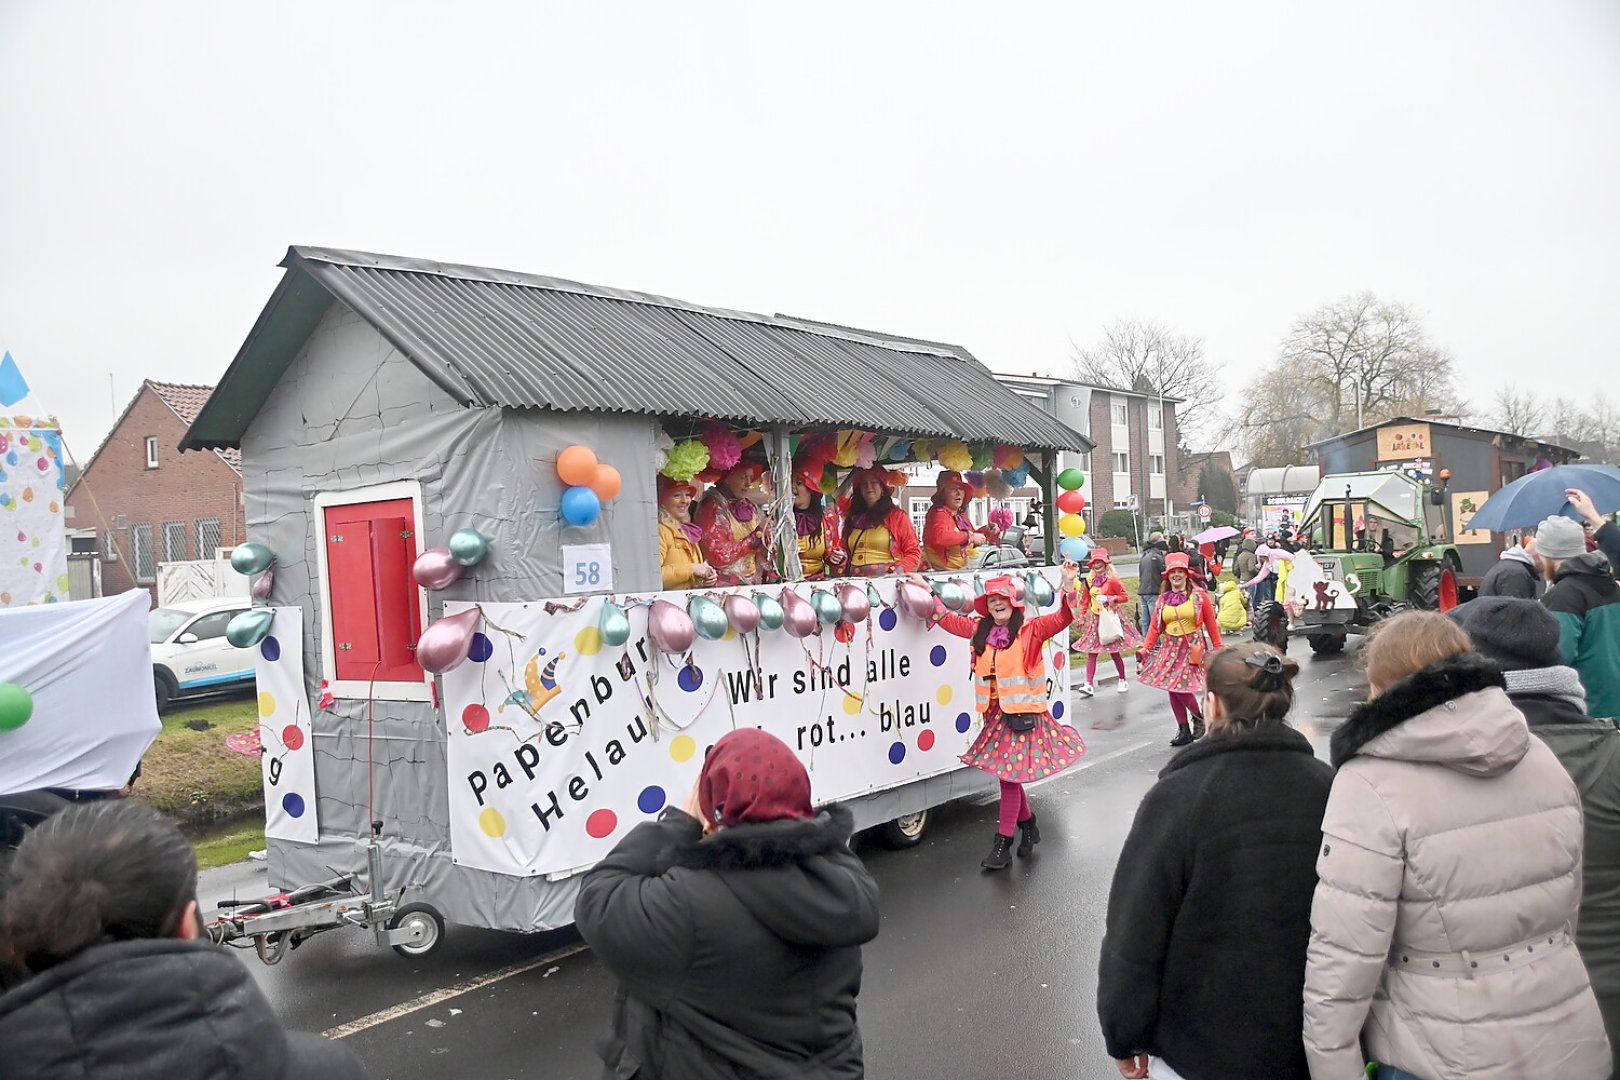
(1203, 963)
(1515, 574)
(1150, 578)
(101, 922)
(735, 928)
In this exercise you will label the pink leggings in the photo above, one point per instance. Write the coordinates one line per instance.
(1091, 666)
(1014, 807)
(1182, 704)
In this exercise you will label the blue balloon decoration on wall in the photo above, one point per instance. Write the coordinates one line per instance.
(581, 506)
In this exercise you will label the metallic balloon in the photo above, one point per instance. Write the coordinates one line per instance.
(798, 617)
(914, 600)
(250, 559)
(978, 584)
(250, 627)
(873, 600)
(951, 595)
(828, 609)
(261, 586)
(444, 645)
(613, 625)
(670, 627)
(852, 598)
(1038, 590)
(744, 614)
(469, 547)
(770, 611)
(16, 706)
(708, 618)
(436, 568)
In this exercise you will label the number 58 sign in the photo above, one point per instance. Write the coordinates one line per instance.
(587, 568)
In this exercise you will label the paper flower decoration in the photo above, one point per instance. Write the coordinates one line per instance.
(725, 449)
(954, 456)
(1008, 457)
(1017, 475)
(661, 447)
(922, 450)
(686, 460)
(983, 457)
(997, 486)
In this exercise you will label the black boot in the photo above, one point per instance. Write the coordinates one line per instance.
(1198, 726)
(1000, 854)
(1029, 836)
(1183, 736)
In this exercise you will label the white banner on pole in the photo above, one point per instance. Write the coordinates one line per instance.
(33, 541)
(286, 731)
(558, 744)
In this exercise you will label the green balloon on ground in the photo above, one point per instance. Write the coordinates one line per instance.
(16, 706)
(1071, 479)
(251, 559)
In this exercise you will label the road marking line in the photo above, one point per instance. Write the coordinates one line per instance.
(405, 1008)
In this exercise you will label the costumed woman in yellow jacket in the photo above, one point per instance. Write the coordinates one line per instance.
(678, 551)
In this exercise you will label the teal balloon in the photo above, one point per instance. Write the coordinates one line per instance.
(872, 597)
(469, 547)
(614, 625)
(16, 706)
(708, 618)
(770, 611)
(1039, 590)
(1071, 479)
(828, 609)
(251, 559)
(250, 627)
(951, 595)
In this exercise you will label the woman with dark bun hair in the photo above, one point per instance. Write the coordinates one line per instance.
(1209, 920)
(99, 922)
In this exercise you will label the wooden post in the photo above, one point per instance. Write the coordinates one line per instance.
(1046, 478)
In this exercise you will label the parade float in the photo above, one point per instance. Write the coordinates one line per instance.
(472, 683)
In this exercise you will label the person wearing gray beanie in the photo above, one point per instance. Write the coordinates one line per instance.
(1522, 637)
(1585, 599)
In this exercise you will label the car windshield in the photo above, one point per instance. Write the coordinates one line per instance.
(163, 622)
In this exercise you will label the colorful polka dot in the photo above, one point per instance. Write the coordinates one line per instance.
(267, 704)
(888, 620)
(1058, 710)
(293, 803)
(651, 800)
(270, 649)
(682, 747)
(944, 694)
(936, 656)
(292, 737)
(588, 642)
(492, 823)
(475, 718)
(852, 705)
(690, 678)
(481, 648)
(844, 632)
(601, 824)
(925, 741)
(897, 753)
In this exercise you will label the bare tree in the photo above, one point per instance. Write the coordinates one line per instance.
(1279, 417)
(1517, 411)
(1563, 420)
(1148, 357)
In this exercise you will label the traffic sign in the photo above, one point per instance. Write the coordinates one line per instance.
(1203, 513)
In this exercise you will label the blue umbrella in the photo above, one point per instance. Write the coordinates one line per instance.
(1533, 498)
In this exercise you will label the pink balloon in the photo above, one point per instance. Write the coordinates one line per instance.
(856, 606)
(444, 645)
(670, 627)
(743, 613)
(915, 600)
(263, 584)
(436, 568)
(798, 617)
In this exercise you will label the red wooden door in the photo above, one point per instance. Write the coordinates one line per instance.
(376, 619)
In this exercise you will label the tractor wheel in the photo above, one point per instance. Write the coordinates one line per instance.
(1271, 624)
(1426, 586)
(1323, 644)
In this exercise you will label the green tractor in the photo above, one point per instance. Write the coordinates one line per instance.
(1379, 542)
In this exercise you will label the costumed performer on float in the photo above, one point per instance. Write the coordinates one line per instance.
(733, 528)
(1184, 617)
(1103, 591)
(1020, 743)
(947, 532)
(820, 548)
(678, 552)
(878, 536)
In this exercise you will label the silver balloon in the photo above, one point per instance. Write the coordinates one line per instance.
(744, 613)
(251, 558)
(669, 627)
(708, 618)
(915, 600)
(852, 598)
(828, 609)
(1038, 590)
(951, 595)
(444, 645)
(266, 581)
(771, 614)
(798, 617)
(436, 568)
(468, 547)
(250, 627)
(614, 624)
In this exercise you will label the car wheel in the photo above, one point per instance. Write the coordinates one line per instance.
(165, 686)
(904, 831)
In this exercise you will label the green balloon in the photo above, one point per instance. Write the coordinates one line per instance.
(708, 618)
(251, 559)
(828, 609)
(614, 625)
(250, 627)
(770, 611)
(1071, 479)
(469, 547)
(16, 706)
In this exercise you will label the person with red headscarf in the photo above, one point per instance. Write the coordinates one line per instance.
(678, 552)
(733, 528)
(734, 927)
(1021, 742)
(947, 532)
(878, 536)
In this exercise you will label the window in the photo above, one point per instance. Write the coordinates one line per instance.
(207, 537)
(1155, 418)
(151, 452)
(212, 626)
(174, 541)
(142, 554)
(918, 509)
(373, 608)
(1121, 416)
(1156, 464)
(1122, 462)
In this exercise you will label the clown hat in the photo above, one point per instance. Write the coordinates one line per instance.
(1100, 557)
(1177, 561)
(951, 478)
(874, 472)
(1003, 587)
(668, 487)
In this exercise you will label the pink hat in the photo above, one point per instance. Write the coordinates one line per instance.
(1003, 587)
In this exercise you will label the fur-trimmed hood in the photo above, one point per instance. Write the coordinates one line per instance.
(1455, 712)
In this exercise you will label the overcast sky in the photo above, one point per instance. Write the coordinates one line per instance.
(950, 171)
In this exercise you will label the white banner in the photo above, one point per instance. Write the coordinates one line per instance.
(88, 667)
(285, 731)
(559, 744)
(33, 541)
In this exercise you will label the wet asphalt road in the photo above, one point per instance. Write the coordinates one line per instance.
(973, 975)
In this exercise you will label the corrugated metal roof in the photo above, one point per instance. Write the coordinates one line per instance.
(492, 337)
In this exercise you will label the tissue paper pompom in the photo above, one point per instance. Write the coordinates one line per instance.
(997, 485)
(1016, 476)
(954, 456)
(849, 449)
(922, 450)
(686, 460)
(982, 457)
(974, 478)
(1008, 457)
(866, 453)
(725, 449)
(897, 478)
(900, 450)
(1002, 517)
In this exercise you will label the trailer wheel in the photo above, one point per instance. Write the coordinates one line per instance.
(904, 831)
(1324, 644)
(425, 920)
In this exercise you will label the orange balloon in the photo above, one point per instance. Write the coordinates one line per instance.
(576, 466)
(607, 482)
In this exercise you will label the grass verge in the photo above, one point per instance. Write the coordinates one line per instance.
(189, 774)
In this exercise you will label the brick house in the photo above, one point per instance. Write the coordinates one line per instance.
(1186, 489)
(139, 501)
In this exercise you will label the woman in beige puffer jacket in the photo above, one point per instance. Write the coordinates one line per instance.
(1448, 881)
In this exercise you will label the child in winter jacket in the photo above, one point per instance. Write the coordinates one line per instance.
(1234, 613)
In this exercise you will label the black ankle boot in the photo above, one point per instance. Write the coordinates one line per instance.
(1000, 854)
(1029, 836)
(1198, 727)
(1183, 736)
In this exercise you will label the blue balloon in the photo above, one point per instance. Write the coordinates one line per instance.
(1075, 549)
(581, 506)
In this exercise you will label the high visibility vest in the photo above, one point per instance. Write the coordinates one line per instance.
(1021, 687)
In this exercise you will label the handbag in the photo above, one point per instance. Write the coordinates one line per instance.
(1020, 722)
(1195, 655)
(1109, 629)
